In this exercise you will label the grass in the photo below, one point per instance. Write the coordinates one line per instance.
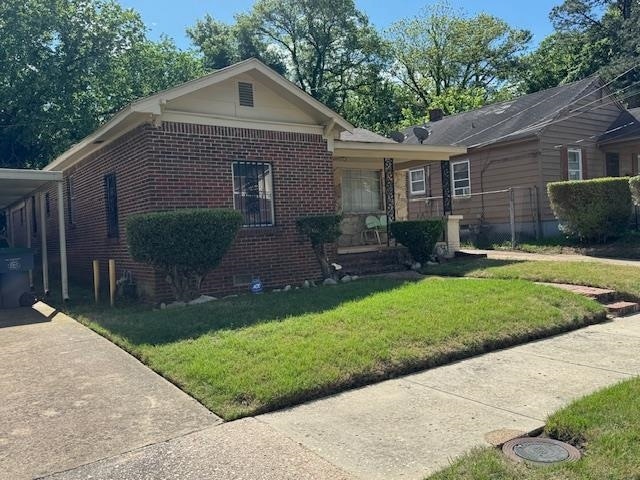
(604, 425)
(252, 354)
(627, 246)
(624, 279)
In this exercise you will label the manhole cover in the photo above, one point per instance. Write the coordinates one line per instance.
(540, 451)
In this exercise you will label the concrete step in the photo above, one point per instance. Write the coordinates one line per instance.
(602, 295)
(621, 308)
(379, 261)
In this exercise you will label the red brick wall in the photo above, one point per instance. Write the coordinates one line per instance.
(189, 166)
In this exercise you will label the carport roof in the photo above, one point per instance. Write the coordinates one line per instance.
(17, 184)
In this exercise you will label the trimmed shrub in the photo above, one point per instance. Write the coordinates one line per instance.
(419, 236)
(321, 230)
(591, 210)
(634, 186)
(184, 245)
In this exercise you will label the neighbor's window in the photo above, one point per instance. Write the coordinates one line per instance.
(417, 181)
(362, 191)
(111, 201)
(574, 164)
(461, 179)
(71, 200)
(253, 193)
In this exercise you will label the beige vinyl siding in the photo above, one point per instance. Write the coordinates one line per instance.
(581, 131)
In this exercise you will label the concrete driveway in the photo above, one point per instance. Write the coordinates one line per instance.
(69, 399)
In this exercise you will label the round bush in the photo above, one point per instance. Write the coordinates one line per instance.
(592, 210)
(183, 244)
(419, 236)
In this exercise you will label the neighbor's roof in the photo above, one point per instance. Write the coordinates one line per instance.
(514, 119)
(626, 127)
(142, 110)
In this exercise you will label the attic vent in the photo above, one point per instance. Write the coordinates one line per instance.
(245, 94)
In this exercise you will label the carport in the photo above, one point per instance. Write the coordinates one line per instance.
(18, 188)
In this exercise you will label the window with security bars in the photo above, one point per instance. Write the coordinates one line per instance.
(253, 193)
(111, 197)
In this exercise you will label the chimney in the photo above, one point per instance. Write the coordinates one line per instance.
(435, 114)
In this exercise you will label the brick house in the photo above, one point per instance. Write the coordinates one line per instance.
(242, 137)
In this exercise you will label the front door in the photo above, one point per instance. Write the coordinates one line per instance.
(612, 165)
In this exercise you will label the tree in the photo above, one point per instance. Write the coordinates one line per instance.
(452, 61)
(67, 65)
(328, 47)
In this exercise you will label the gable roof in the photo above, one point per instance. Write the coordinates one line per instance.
(510, 120)
(144, 109)
(625, 127)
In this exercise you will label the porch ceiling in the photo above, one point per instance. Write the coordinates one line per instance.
(401, 153)
(18, 184)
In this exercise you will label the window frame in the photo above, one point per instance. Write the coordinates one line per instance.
(580, 170)
(381, 199)
(273, 195)
(423, 191)
(113, 220)
(453, 179)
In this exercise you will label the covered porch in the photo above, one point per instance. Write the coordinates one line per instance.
(24, 202)
(371, 180)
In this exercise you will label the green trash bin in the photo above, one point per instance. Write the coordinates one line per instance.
(15, 264)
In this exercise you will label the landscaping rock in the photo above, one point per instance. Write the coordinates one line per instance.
(306, 284)
(163, 306)
(416, 266)
(176, 304)
(202, 299)
(354, 277)
(346, 279)
(276, 290)
(329, 281)
(287, 288)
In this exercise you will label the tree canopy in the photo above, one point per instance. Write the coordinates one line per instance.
(66, 66)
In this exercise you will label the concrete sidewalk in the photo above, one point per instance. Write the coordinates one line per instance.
(512, 255)
(71, 402)
(412, 426)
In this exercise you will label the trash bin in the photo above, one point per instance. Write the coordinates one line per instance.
(15, 264)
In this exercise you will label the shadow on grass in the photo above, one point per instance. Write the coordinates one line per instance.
(141, 325)
(463, 266)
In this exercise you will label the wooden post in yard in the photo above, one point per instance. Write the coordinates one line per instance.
(96, 280)
(512, 218)
(112, 282)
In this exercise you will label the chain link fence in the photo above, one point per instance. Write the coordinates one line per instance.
(506, 217)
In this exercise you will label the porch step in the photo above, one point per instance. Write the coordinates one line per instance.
(621, 308)
(378, 261)
(602, 295)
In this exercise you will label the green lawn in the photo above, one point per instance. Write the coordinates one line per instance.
(623, 279)
(627, 246)
(604, 425)
(252, 354)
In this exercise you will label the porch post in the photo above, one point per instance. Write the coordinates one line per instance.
(43, 244)
(389, 195)
(447, 207)
(29, 220)
(10, 225)
(63, 243)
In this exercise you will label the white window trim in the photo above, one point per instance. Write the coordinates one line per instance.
(424, 181)
(453, 188)
(233, 193)
(579, 152)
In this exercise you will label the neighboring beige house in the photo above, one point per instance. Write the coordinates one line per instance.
(573, 131)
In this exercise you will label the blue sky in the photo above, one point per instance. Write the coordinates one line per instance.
(174, 16)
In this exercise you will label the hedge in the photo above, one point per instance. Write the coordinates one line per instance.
(183, 244)
(321, 230)
(419, 236)
(592, 210)
(634, 186)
